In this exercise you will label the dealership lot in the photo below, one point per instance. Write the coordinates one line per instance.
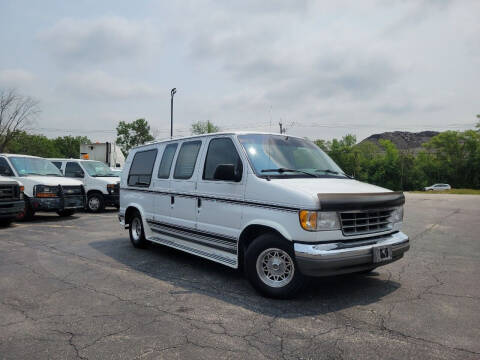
(76, 288)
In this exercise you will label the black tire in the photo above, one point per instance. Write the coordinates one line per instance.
(65, 213)
(6, 222)
(95, 203)
(366, 272)
(137, 234)
(27, 213)
(265, 247)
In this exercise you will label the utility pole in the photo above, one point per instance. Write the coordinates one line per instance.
(172, 92)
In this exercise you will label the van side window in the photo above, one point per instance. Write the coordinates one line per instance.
(141, 169)
(221, 151)
(167, 160)
(72, 169)
(5, 169)
(187, 157)
(58, 164)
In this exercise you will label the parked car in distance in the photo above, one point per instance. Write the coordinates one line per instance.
(11, 199)
(438, 187)
(45, 188)
(273, 204)
(101, 184)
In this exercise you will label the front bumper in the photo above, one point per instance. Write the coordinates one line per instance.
(58, 204)
(347, 257)
(10, 209)
(112, 199)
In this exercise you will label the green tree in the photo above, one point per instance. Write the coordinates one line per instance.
(204, 127)
(32, 144)
(69, 146)
(133, 134)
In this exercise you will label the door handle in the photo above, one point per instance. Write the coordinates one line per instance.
(199, 203)
(172, 200)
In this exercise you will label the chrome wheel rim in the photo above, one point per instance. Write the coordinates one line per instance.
(93, 203)
(275, 267)
(136, 229)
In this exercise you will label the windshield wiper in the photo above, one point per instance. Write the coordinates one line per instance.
(52, 175)
(333, 172)
(282, 170)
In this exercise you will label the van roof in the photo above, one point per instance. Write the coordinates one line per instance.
(21, 155)
(70, 159)
(209, 135)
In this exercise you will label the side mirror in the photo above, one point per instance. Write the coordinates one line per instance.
(79, 174)
(225, 172)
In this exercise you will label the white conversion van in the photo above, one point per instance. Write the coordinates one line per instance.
(273, 204)
(45, 188)
(101, 183)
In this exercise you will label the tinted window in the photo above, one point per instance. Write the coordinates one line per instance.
(221, 152)
(167, 160)
(187, 157)
(58, 164)
(72, 169)
(142, 167)
(5, 169)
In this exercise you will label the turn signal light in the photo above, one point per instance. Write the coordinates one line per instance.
(46, 195)
(308, 220)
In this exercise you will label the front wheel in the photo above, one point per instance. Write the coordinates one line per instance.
(6, 222)
(271, 269)
(137, 234)
(95, 203)
(65, 213)
(27, 212)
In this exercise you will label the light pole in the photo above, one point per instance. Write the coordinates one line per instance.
(174, 90)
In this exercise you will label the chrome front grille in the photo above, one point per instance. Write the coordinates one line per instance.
(72, 190)
(365, 221)
(9, 192)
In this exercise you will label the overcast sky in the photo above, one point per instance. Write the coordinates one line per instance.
(358, 67)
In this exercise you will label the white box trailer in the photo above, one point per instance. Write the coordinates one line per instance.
(107, 152)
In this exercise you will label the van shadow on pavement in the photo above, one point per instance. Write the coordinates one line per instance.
(198, 275)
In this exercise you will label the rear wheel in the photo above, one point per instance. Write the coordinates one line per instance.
(95, 203)
(271, 269)
(137, 234)
(65, 213)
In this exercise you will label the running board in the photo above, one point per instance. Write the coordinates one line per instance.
(218, 256)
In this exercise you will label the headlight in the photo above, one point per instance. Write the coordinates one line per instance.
(22, 189)
(111, 188)
(397, 215)
(319, 220)
(46, 191)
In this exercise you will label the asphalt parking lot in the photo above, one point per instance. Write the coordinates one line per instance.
(76, 288)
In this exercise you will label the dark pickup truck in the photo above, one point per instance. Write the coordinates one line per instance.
(11, 200)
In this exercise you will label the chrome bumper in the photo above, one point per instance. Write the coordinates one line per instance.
(347, 257)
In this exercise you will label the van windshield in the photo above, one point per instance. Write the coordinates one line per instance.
(34, 166)
(98, 169)
(281, 155)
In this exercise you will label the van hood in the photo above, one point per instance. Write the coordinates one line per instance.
(51, 180)
(6, 180)
(319, 186)
(107, 179)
